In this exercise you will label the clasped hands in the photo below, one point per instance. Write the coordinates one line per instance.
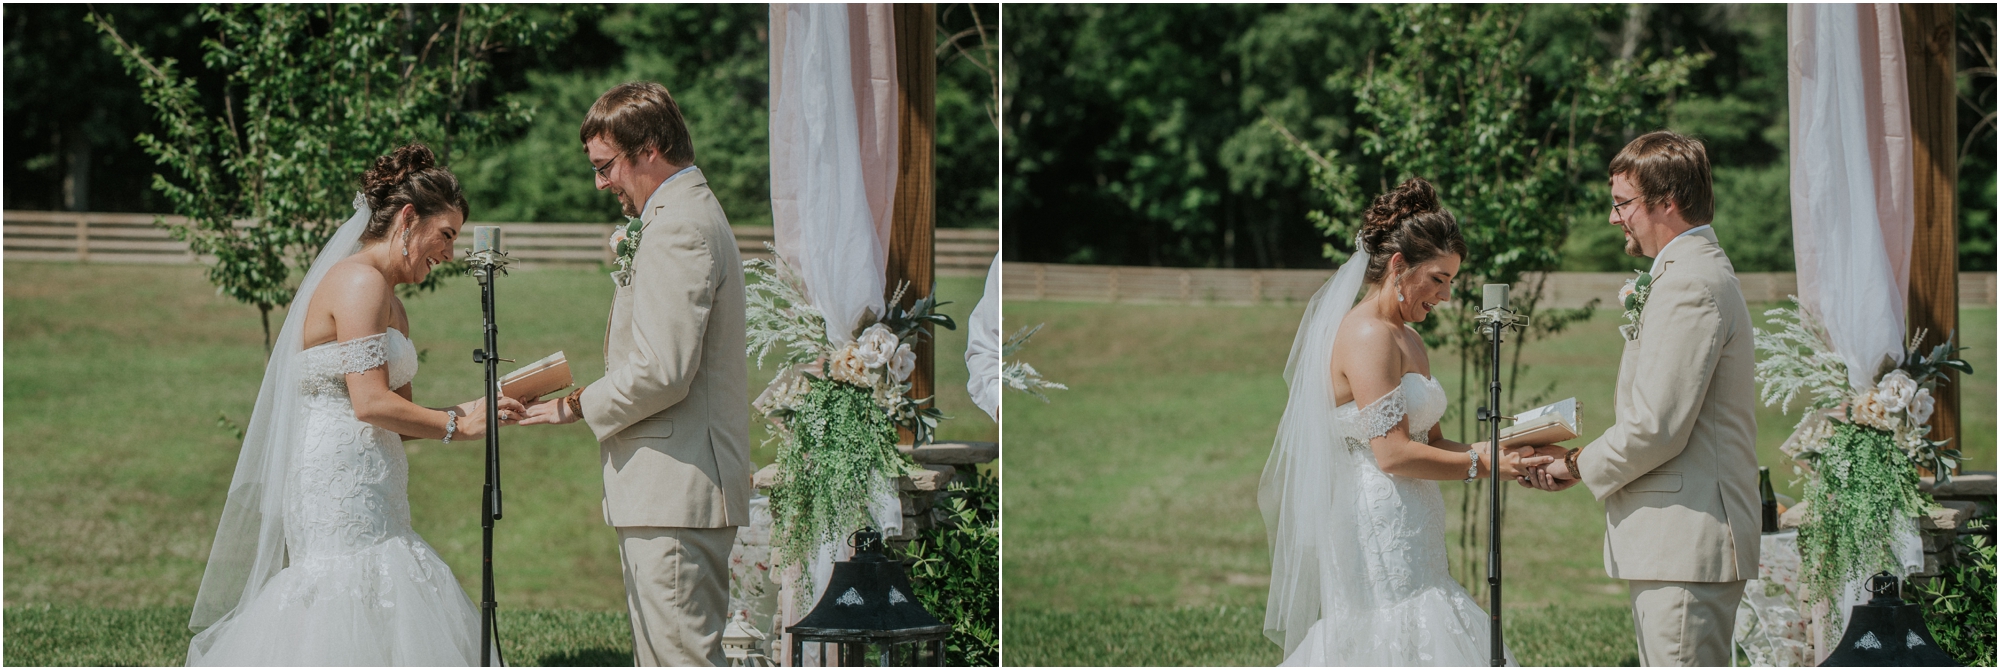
(1543, 467)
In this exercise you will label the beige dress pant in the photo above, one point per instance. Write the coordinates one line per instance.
(677, 593)
(1685, 623)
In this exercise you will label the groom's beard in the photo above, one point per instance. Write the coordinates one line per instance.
(625, 204)
(1632, 246)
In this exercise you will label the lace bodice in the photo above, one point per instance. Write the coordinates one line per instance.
(324, 368)
(1420, 398)
(1402, 536)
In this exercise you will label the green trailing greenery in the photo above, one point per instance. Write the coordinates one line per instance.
(1866, 487)
(1959, 604)
(842, 448)
(957, 571)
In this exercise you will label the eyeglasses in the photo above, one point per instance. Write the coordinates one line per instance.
(1628, 201)
(607, 166)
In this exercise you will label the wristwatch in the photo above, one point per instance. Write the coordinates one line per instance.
(1570, 462)
(575, 402)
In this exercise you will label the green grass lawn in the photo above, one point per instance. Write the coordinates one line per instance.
(1132, 526)
(117, 465)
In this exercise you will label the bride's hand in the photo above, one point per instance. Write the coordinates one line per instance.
(472, 419)
(1513, 462)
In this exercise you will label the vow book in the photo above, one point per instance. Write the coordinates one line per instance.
(537, 379)
(1547, 424)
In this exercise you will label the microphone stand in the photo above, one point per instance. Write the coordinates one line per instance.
(1494, 321)
(484, 264)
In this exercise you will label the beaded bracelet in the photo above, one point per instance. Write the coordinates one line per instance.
(450, 424)
(1472, 471)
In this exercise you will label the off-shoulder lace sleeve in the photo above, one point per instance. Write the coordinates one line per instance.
(1378, 417)
(360, 354)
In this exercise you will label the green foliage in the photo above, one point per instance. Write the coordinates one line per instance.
(715, 59)
(957, 571)
(842, 447)
(1959, 605)
(1864, 490)
(313, 95)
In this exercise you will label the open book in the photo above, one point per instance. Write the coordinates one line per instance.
(537, 379)
(1547, 424)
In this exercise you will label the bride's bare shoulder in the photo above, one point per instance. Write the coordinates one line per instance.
(351, 291)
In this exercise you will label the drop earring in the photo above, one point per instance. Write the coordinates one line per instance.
(406, 243)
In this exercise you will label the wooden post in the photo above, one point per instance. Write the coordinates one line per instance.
(912, 246)
(83, 239)
(1929, 50)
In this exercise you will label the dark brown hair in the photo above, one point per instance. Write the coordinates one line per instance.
(1667, 165)
(638, 115)
(1409, 221)
(408, 176)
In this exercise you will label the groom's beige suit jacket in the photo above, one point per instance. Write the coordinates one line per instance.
(672, 411)
(1677, 471)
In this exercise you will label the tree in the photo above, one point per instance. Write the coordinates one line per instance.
(1514, 134)
(312, 95)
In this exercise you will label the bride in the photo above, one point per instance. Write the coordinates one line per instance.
(1350, 496)
(314, 562)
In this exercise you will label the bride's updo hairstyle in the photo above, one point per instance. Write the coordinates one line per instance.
(1409, 221)
(408, 176)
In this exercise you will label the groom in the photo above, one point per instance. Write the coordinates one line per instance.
(1677, 470)
(672, 411)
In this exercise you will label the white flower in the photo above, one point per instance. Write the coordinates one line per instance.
(847, 366)
(617, 235)
(901, 364)
(875, 346)
(1895, 391)
(1921, 407)
(1867, 410)
(1626, 291)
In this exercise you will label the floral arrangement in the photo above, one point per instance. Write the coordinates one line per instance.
(1858, 448)
(832, 410)
(1632, 296)
(1019, 375)
(625, 245)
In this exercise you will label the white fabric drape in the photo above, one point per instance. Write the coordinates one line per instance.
(1852, 189)
(1853, 195)
(833, 185)
(833, 153)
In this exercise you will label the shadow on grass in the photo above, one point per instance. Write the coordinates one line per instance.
(586, 658)
(1233, 636)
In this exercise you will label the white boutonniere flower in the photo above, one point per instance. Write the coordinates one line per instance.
(625, 244)
(1633, 298)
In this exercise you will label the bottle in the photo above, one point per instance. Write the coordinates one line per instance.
(1770, 499)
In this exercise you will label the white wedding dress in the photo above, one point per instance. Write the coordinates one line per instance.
(1359, 573)
(1420, 615)
(359, 587)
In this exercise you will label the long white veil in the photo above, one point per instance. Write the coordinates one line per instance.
(1308, 473)
(250, 540)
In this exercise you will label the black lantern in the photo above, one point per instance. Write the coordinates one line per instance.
(868, 601)
(1887, 631)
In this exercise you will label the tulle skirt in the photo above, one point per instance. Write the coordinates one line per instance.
(1439, 626)
(391, 604)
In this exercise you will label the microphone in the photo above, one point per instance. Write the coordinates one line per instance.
(1496, 296)
(485, 238)
(1494, 309)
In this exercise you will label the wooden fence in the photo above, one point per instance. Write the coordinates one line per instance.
(1108, 283)
(97, 237)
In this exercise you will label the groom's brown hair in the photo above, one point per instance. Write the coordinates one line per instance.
(638, 115)
(1668, 165)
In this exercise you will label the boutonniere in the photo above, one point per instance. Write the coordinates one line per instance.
(1633, 297)
(625, 244)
